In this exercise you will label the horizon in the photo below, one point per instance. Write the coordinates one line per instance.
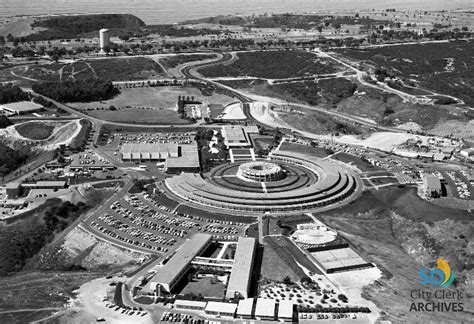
(168, 11)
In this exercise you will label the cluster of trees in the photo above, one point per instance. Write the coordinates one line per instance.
(290, 21)
(86, 90)
(10, 159)
(75, 26)
(12, 93)
(80, 141)
(203, 137)
(4, 122)
(23, 239)
(59, 217)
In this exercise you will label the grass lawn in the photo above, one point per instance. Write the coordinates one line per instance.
(163, 200)
(155, 97)
(134, 115)
(277, 264)
(229, 252)
(134, 68)
(207, 287)
(305, 149)
(272, 64)
(35, 130)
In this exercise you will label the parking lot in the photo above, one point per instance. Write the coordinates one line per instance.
(138, 221)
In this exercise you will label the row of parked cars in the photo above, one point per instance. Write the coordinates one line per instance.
(148, 219)
(121, 228)
(126, 310)
(180, 318)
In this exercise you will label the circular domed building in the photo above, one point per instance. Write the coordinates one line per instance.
(261, 171)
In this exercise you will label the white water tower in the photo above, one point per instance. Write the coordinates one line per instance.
(104, 39)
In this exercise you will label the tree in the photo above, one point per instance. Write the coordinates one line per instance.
(287, 280)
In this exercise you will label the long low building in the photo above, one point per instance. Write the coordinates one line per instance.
(139, 152)
(46, 185)
(167, 277)
(20, 108)
(221, 309)
(241, 275)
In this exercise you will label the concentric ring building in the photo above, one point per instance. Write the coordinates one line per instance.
(284, 183)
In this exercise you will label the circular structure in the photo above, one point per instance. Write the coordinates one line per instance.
(288, 183)
(261, 171)
(314, 234)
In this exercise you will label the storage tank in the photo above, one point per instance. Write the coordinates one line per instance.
(104, 39)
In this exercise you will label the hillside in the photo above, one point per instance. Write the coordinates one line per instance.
(5, 122)
(10, 159)
(75, 26)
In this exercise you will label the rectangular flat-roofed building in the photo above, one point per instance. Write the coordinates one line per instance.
(20, 108)
(246, 308)
(46, 185)
(221, 309)
(188, 160)
(432, 185)
(190, 304)
(241, 275)
(265, 309)
(286, 310)
(148, 152)
(177, 267)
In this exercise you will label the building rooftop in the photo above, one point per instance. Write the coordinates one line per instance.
(218, 307)
(432, 181)
(189, 158)
(242, 269)
(165, 149)
(21, 106)
(181, 259)
(12, 185)
(265, 307)
(46, 184)
(285, 309)
(245, 307)
(234, 134)
(190, 303)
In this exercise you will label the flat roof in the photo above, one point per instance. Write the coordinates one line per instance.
(234, 134)
(432, 181)
(21, 106)
(181, 259)
(285, 309)
(50, 183)
(146, 148)
(245, 307)
(12, 185)
(219, 307)
(189, 158)
(190, 303)
(265, 307)
(242, 269)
